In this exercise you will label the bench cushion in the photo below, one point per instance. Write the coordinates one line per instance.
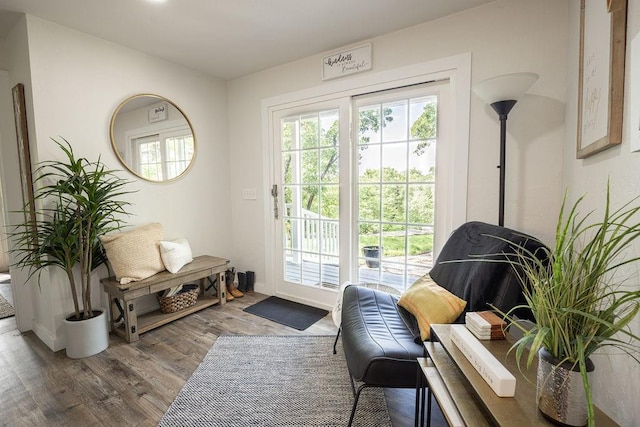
(378, 338)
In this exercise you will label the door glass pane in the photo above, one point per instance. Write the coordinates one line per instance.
(421, 203)
(150, 159)
(423, 118)
(393, 204)
(309, 131)
(369, 124)
(329, 128)
(369, 163)
(310, 172)
(422, 160)
(394, 242)
(394, 162)
(179, 153)
(329, 196)
(310, 166)
(395, 189)
(330, 244)
(369, 203)
(287, 131)
(395, 126)
(329, 165)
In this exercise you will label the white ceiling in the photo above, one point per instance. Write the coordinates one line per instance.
(233, 38)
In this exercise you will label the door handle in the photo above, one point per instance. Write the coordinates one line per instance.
(274, 194)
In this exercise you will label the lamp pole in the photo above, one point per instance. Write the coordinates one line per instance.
(502, 108)
(502, 93)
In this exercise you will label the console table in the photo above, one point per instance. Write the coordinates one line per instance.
(463, 395)
(199, 269)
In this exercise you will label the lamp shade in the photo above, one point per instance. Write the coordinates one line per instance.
(505, 87)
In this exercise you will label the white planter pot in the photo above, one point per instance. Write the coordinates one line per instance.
(86, 337)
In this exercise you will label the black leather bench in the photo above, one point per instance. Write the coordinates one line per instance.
(381, 340)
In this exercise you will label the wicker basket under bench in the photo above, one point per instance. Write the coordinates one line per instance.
(125, 296)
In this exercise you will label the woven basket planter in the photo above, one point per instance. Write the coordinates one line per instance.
(186, 298)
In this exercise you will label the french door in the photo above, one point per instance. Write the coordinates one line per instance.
(355, 192)
(311, 199)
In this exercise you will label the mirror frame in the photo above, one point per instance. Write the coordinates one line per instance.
(130, 167)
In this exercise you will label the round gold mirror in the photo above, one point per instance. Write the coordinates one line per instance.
(153, 138)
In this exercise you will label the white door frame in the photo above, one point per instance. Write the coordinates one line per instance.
(456, 68)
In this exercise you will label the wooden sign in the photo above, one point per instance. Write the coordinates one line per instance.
(158, 113)
(347, 62)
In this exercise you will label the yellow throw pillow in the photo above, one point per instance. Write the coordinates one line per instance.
(431, 304)
(134, 254)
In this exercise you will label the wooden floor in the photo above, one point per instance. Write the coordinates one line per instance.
(132, 384)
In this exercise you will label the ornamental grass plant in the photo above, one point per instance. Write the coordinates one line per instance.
(79, 201)
(577, 293)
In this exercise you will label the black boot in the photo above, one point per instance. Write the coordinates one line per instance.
(251, 281)
(242, 282)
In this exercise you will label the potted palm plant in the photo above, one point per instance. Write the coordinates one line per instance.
(580, 304)
(79, 200)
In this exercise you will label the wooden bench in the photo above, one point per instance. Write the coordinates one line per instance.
(122, 298)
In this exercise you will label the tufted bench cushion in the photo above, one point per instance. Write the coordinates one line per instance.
(379, 346)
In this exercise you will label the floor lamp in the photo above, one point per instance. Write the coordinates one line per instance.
(502, 93)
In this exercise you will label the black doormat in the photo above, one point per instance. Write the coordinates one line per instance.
(288, 313)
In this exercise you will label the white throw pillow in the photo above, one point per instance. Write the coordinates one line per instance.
(175, 254)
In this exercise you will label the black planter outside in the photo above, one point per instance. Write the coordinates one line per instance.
(372, 255)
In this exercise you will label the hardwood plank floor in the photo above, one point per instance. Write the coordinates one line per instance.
(133, 384)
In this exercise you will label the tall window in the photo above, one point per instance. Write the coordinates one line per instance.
(396, 180)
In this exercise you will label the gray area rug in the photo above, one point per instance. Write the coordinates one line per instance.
(6, 309)
(273, 381)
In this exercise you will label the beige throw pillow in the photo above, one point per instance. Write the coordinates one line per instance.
(135, 254)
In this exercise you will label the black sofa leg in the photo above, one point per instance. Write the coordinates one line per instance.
(355, 401)
(353, 385)
(335, 343)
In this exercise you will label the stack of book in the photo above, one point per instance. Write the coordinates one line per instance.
(485, 325)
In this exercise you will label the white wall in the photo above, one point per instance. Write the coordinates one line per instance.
(16, 51)
(616, 383)
(533, 32)
(5, 113)
(78, 81)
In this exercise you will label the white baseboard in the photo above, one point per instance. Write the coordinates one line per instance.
(55, 343)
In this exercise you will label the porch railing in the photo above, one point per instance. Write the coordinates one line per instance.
(313, 234)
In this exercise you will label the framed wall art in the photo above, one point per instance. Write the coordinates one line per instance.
(24, 154)
(601, 75)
